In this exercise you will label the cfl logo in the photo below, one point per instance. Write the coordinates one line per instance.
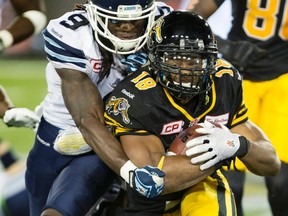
(172, 128)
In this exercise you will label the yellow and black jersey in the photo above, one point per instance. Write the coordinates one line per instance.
(139, 105)
(263, 23)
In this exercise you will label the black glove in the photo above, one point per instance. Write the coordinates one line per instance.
(240, 53)
(148, 181)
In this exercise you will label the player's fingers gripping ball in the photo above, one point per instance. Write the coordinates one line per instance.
(148, 181)
(178, 146)
(216, 144)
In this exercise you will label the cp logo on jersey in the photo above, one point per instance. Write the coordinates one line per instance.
(172, 128)
(118, 105)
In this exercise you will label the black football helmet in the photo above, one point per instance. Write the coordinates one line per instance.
(183, 36)
(101, 12)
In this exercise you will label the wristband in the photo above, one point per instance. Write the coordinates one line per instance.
(244, 147)
(126, 169)
(6, 39)
(37, 18)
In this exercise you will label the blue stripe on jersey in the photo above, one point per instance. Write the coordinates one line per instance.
(60, 52)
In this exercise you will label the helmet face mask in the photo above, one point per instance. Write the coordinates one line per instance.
(183, 74)
(183, 52)
(104, 14)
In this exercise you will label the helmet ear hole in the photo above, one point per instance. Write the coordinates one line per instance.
(184, 53)
(101, 13)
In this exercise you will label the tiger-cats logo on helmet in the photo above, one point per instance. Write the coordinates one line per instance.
(118, 106)
(156, 30)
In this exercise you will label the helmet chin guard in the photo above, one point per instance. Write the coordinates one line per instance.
(101, 12)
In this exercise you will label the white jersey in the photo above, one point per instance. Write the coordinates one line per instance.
(69, 43)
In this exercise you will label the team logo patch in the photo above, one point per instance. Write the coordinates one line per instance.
(118, 106)
(172, 127)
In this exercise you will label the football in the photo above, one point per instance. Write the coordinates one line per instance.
(178, 146)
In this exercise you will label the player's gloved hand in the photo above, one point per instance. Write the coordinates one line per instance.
(71, 142)
(147, 181)
(240, 53)
(216, 145)
(20, 117)
(135, 61)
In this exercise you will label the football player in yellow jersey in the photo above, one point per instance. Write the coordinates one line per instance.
(257, 45)
(186, 83)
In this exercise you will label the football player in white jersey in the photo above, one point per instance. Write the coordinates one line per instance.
(85, 48)
(30, 20)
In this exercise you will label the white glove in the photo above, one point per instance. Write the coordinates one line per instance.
(21, 117)
(71, 142)
(217, 145)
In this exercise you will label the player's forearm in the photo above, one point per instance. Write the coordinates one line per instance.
(262, 159)
(181, 174)
(103, 143)
(85, 104)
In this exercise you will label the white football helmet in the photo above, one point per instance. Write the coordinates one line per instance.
(101, 12)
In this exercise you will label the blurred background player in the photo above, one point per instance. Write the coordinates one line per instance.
(13, 193)
(257, 46)
(29, 20)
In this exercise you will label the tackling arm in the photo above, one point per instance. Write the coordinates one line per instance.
(143, 150)
(85, 104)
